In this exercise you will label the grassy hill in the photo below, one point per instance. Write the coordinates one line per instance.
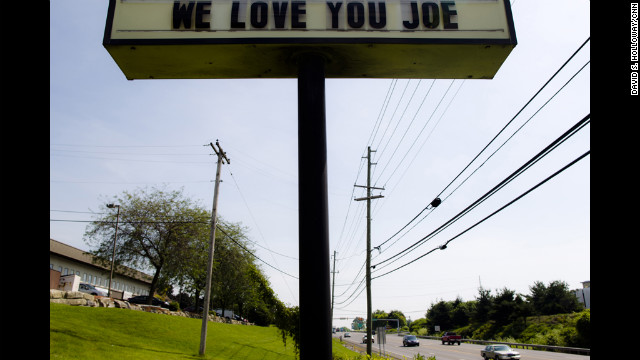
(109, 333)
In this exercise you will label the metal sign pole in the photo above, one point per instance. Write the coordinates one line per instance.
(314, 281)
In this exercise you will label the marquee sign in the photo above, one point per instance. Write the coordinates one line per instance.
(199, 39)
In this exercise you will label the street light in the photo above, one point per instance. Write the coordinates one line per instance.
(113, 255)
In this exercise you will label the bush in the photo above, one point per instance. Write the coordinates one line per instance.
(174, 305)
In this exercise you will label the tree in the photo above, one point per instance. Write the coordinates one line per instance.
(397, 314)
(418, 324)
(461, 312)
(439, 315)
(357, 323)
(553, 299)
(232, 262)
(154, 230)
(484, 303)
(503, 306)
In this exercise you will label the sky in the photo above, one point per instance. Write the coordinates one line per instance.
(109, 135)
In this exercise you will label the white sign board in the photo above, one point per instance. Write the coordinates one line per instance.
(261, 38)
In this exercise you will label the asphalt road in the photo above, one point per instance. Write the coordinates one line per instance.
(463, 351)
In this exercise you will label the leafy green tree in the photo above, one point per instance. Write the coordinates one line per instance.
(232, 261)
(417, 324)
(504, 306)
(155, 227)
(397, 314)
(439, 314)
(461, 312)
(484, 304)
(553, 299)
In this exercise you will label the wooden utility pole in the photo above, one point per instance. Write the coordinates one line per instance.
(212, 241)
(368, 265)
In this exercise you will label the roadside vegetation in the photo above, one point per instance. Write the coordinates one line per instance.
(549, 315)
(166, 234)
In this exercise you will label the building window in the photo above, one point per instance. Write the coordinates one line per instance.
(65, 272)
(51, 266)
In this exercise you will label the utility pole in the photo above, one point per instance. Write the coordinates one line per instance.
(368, 265)
(333, 285)
(212, 241)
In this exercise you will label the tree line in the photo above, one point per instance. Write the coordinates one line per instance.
(168, 234)
(507, 314)
(500, 315)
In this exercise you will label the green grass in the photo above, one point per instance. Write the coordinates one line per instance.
(77, 332)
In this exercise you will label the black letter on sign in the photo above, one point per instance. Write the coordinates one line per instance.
(182, 13)
(263, 9)
(372, 15)
(200, 12)
(353, 7)
(414, 15)
(279, 13)
(235, 9)
(335, 10)
(296, 11)
(430, 10)
(447, 13)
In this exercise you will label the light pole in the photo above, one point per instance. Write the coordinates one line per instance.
(115, 238)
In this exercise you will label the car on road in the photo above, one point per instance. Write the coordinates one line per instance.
(499, 352)
(410, 340)
(451, 338)
(347, 334)
(142, 300)
(364, 339)
(90, 289)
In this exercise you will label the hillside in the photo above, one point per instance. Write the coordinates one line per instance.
(572, 330)
(77, 332)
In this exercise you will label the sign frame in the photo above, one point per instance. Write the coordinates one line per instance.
(354, 54)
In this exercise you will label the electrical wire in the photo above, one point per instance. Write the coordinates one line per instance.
(494, 138)
(444, 246)
(573, 130)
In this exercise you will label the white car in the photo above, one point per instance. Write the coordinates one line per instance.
(499, 352)
(90, 289)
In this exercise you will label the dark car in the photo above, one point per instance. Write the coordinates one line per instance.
(410, 340)
(142, 300)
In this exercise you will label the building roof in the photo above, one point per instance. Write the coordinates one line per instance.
(76, 254)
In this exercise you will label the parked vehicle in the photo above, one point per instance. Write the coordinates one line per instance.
(451, 338)
(90, 289)
(498, 352)
(410, 340)
(142, 300)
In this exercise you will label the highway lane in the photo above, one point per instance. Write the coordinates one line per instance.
(463, 351)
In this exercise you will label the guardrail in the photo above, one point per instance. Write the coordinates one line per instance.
(564, 349)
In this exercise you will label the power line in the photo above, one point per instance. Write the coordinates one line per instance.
(496, 136)
(574, 129)
(254, 255)
(444, 246)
